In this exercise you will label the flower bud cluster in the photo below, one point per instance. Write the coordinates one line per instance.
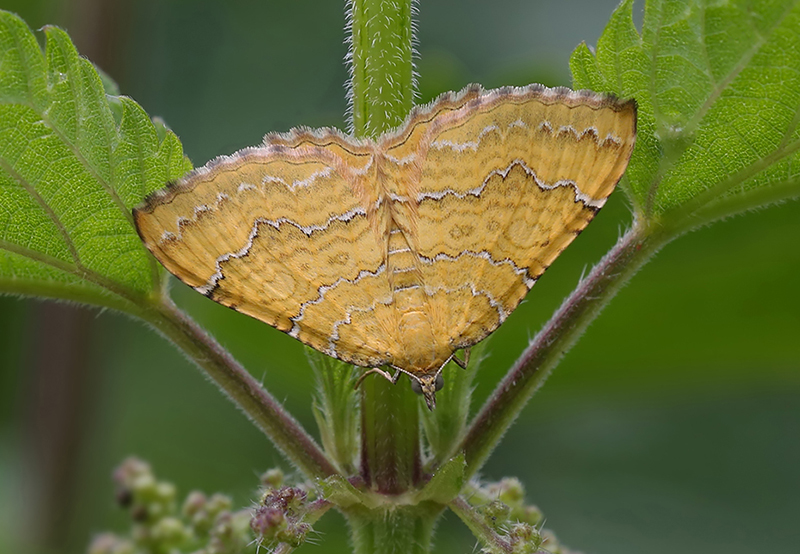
(503, 508)
(279, 517)
(204, 525)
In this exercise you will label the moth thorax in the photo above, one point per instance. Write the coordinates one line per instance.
(409, 300)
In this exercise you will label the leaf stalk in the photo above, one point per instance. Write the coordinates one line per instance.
(563, 329)
(244, 390)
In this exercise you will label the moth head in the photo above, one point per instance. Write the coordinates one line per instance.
(427, 385)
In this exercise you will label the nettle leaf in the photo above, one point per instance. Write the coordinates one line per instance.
(718, 87)
(444, 426)
(73, 163)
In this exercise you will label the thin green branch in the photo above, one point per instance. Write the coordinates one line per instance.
(247, 393)
(592, 294)
(477, 524)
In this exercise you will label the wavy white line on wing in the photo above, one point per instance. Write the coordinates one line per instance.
(214, 279)
(323, 289)
(579, 195)
(521, 271)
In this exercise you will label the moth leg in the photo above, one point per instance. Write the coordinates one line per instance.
(462, 363)
(385, 374)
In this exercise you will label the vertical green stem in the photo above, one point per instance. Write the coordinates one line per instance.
(381, 94)
(382, 90)
(390, 431)
(399, 530)
(381, 65)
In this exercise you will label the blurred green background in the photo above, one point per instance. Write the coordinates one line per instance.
(674, 425)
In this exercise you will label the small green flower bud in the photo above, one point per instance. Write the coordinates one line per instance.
(129, 470)
(279, 518)
(155, 511)
(295, 498)
(272, 478)
(496, 514)
(144, 485)
(295, 535)
(524, 538)
(170, 531)
(217, 504)
(165, 492)
(511, 491)
(531, 515)
(194, 504)
(222, 534)
(267, 522)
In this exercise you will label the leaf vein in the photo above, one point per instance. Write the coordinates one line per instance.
(715, 191)
(90, 168)
(47, 209)
(41, 257)
(740, 65)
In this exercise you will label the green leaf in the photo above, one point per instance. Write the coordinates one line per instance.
(337, 490)
(585, 68)
(336, 408)
(444, 426)
(718, 88)
(73, 162)
(446, 483)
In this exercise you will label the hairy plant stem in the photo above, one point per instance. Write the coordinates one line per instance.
(493, 542)
(395, 529)
(563, 329)
(382, 87)
(390, 452)
(382, 94)
(247, 393)
(381, 67)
